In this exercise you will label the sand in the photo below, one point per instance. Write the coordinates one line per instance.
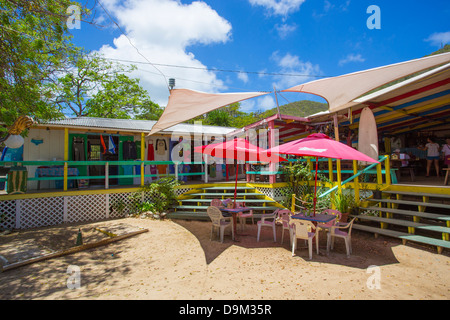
(177, 260)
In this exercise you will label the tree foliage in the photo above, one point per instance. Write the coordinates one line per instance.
(34, 43)
(95, 87)
(45, 76)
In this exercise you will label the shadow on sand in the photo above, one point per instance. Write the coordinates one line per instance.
(367, 250)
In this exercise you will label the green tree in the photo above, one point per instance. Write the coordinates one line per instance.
(34, 43)
(219, 117)
(95, 87)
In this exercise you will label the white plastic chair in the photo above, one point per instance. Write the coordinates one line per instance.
(268, 220)
(244, 215)
(219, 204)
(303, 229)
(219, 221)
(283, 218)
(337, 232)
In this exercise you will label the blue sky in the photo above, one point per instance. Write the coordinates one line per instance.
(263, 42)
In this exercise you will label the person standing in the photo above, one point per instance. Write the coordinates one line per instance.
(446, 151)
(432, 149)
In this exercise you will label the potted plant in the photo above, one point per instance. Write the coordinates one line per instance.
(377, 192)
(344, 203)
(162, 196)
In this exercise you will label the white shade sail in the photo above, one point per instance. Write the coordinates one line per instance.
(342, 90)
(187, 104)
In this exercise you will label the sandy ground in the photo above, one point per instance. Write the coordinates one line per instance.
(177, 260)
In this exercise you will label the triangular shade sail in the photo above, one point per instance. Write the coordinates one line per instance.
(342, 90)
(187, 104)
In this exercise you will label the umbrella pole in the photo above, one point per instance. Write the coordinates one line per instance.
(315, 187)
(235, 187)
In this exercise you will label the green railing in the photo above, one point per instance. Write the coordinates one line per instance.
(71, 164)
(368, 169)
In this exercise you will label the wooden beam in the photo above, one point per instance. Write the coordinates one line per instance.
(72, 250)
(406, 95)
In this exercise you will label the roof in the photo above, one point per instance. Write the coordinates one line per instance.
(135, 125)
(419, 103)
(341, 91)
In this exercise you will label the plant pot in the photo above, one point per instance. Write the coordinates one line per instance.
(376, 194)
(344, 217)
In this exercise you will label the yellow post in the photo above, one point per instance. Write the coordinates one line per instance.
(356, 181)
(66, 156)
(293, 203)
(338, 168)
(66, 144)
(330, 169)
(66, 166)
(338, 162)
(142, 157)
(387, 167)
(379, 174)
(387, 145)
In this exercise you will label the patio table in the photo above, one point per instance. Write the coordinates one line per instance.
(317, 218)
(320, 218)
(234, 212)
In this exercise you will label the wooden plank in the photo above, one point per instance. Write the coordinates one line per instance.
(72, 250)
(416, 203)
(246, 200)
(405, 237)
(225, 194)
(419, 194)
(411, 213)
(405, 223)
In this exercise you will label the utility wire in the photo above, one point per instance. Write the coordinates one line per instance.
(131, 43)
(221, 70)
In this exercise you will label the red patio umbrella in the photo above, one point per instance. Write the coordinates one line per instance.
(238, 149)
(320, 145)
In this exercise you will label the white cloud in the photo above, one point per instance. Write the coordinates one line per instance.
(285, 29)
(351, 57)
(439, 38)
(162, 30)
(279, 7)
(258, 104)
(292, 65)
(243, 77)
(265, 103)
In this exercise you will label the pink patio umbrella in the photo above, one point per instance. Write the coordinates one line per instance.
(238, 149)
(320, 145)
